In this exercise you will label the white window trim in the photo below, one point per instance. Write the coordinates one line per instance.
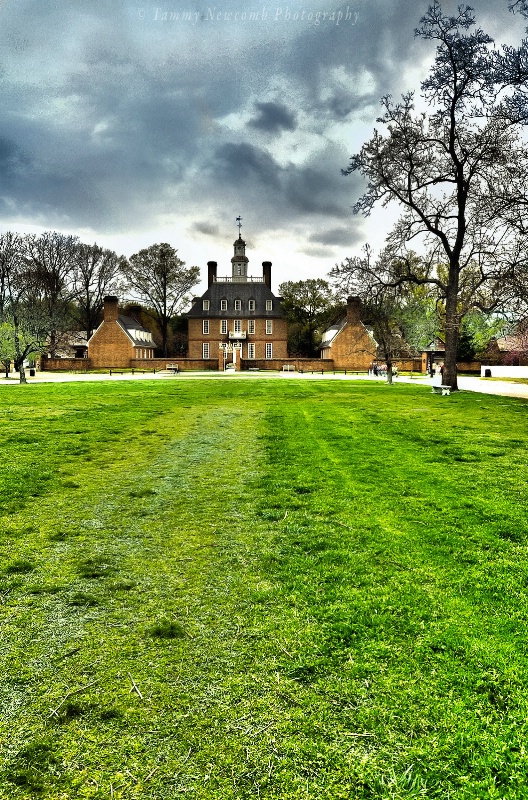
(223, 305)
(223, 327)
(251, 350)
(205, 305)
(238, 305)
(269, 350)
(251, 305)
(269, 305)
(237, 326)
(205, 350)
(251, 326)
(205, 327)
(269, 327)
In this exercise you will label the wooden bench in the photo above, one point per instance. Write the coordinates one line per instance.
(288, 368)
(441, 389)
(116, 372)
(172, 368)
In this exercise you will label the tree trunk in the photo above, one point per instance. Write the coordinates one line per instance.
(452, 329)
(388, 361)
(19, 358)
(164, 326)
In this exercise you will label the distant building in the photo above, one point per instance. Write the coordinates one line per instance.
(349, 342)
(238, 320)
(118, 339)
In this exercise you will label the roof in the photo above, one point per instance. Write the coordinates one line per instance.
(139, 335)
(237, 290)
(330, 333)
(513, 343)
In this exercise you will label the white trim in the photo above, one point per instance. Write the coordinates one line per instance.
(205, 350)
(269, 350)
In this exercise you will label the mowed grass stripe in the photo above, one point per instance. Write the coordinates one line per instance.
(285, 591)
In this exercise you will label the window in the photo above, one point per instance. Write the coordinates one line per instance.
(223, 326)
(205, 349)
(223, 305)
(238, 305)
(251, 350)
(251, 326)
(269, 326)
(251, 305)
(205, 305)
(205, 326)
(269, 350)
(238, 326)
(269, 305)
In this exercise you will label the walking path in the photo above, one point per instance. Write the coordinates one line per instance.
(465, 383)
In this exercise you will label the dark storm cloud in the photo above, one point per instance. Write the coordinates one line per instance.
(273, 118)
(348, 236)
(206, 229)
(238, 164)
(313, 190)
(110, 119)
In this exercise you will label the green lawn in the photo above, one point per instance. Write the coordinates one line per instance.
(289, 590)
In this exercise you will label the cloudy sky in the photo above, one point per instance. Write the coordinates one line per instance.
(130, 123)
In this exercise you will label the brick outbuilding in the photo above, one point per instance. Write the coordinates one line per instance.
(349, 343)
(118, 339)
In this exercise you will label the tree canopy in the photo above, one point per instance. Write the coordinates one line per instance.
(449, 169)
(161, 281)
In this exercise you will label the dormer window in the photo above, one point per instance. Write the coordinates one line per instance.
(223, 305)
(238, 305)
(205, 305)
(269, 305)
(251, 305)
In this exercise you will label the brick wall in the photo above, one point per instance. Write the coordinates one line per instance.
(69, 364)
(151, 364)
(305, 364)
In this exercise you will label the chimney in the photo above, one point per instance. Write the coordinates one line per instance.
(266, 273)
(353, 310)
(110, 312)
(211, 272)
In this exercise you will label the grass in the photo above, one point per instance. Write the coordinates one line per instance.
(262, 589)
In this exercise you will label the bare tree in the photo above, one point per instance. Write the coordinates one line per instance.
(160, 281)
(438, 166)
(98, 272)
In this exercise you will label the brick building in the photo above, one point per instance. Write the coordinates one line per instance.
(118, 339)
(349, 343)
(238, 319)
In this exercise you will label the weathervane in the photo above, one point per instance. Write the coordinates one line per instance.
(239, 222)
